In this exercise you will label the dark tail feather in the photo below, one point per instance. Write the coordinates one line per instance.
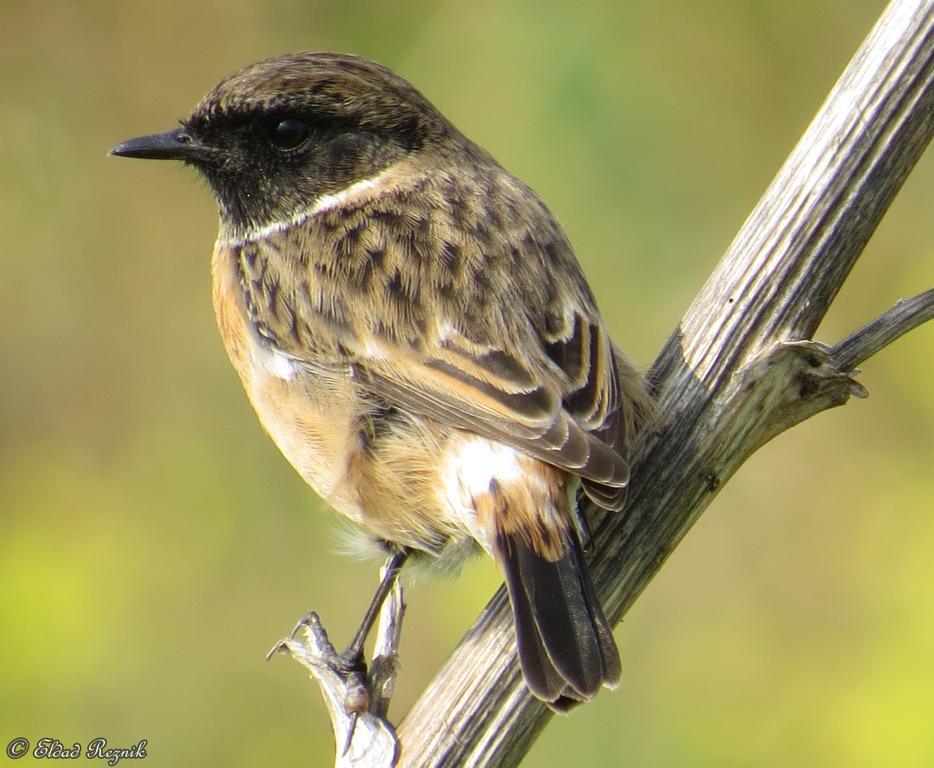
(565, 645)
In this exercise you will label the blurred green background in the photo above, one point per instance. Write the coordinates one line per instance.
(153, 544)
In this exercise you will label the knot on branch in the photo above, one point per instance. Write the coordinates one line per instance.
(786, 384)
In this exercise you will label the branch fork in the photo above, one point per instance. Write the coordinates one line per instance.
(786, 384)
(357, 701)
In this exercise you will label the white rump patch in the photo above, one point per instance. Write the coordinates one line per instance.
(477, 461)
(470, 466)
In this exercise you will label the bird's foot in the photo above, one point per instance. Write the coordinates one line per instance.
(356, 695)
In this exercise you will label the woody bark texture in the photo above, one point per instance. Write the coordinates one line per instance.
(741, 367)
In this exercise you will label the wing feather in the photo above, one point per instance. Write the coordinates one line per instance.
(471, 310)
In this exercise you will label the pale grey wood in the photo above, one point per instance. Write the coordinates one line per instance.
(906, 315)
(738, 370)
(357, 705)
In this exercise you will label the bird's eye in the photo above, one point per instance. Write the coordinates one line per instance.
(289, 133)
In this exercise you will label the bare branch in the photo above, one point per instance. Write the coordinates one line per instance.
(906, 315)
(738, 370)
(385, 664)
(357, 705)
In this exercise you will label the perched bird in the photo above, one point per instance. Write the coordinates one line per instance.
(415, 334)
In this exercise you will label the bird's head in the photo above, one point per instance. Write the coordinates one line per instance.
(276, 137)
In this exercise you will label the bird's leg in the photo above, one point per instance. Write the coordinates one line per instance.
(355, 698)
(351, 660)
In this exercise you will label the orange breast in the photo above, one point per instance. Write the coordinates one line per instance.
(309, 417)
(424, 485)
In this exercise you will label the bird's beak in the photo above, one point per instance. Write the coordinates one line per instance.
(171, 145)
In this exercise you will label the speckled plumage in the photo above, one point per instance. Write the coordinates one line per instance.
(414, 332)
